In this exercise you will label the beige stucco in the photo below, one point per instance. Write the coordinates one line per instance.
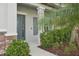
(8, 18)
(29, 14)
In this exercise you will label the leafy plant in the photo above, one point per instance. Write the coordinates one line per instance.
(17, 48)
(46, 40)
(56, 36)
(67, 16)
(62, 17)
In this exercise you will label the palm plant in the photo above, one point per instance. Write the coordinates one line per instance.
(67, 16)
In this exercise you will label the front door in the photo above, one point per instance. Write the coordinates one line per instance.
(21, 27)
(32, 30)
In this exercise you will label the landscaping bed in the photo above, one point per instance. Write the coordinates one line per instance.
(58, 42)
(60, 51)
(65, 23)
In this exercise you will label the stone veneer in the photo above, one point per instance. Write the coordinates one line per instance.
(2, 42)
(5, 42)
(8, 39)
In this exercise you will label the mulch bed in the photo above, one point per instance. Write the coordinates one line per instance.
(60, 51)
(1, 54)
(5, 55)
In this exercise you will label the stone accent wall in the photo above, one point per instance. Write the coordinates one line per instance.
(2, 43)
(9, 39)
(5, 42)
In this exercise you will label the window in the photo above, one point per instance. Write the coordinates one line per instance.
(35, 26)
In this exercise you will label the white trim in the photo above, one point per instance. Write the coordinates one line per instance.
(22, 13)
(3, 30)
(25, 14)
(10, 34)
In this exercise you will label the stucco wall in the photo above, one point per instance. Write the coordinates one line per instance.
(29, 14)
(3, 15)
(8, 14)
(12, 17)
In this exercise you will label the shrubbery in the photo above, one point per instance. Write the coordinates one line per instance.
(18, 48)
(48, 39)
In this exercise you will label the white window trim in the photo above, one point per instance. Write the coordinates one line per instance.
(3, 30)
(10, 34)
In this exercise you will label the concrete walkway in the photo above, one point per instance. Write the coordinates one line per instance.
(36, 51)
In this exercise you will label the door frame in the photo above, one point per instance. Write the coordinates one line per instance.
(35, 36)
(21, 13)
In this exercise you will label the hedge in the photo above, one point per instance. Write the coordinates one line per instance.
(18, 48)
(48, 39)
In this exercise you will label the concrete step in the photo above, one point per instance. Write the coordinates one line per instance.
(35, 51)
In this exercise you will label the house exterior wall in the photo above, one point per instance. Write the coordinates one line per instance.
(29, 14)
(8, 14)
(8, 25)
(11, 19)
(8, 21)
(3, 16)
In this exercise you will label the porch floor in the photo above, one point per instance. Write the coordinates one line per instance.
(36, 51)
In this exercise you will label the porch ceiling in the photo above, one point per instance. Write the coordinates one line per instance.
(26, 4)
(53, 5)
(47, 6)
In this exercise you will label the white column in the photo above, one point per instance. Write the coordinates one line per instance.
(40, 11)
(40, 15)
(11, 19)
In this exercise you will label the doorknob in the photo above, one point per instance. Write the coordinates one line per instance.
(31, 28)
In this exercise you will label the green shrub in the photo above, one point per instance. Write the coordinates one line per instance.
(46, 40)
(17, 48)
(58, 35)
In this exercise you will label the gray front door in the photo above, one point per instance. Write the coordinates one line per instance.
(21, 26)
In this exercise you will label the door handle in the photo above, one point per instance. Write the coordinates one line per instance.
(31, 28)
